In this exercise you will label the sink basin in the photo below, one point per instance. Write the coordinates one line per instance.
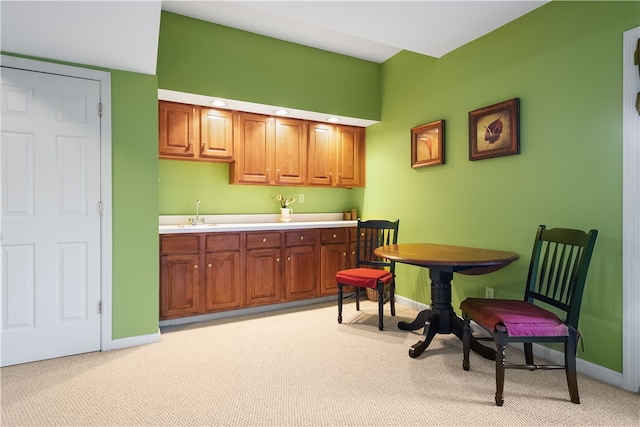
(196, 225)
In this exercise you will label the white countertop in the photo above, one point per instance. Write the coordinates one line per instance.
(171, 224)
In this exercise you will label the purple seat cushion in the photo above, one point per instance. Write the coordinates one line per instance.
(363, 277)
(519, 318)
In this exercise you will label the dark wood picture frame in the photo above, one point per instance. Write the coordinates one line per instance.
(494, 131)
(427, 145)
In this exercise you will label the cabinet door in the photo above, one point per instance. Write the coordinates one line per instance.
(300, 274)
(290, 151)
(178, 130)
(254, 150)
(263, 276)
(350, 156)
(333, 258)
(222, 280)
(216, 134)
(322, 154)
(179, 285)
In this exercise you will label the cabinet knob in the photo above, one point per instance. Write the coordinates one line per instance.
(301, 237)
(195, 265)
(344, 254)
(268, 172)
(334, 236)
(288, 258)
(278, 259)
(264, 240)
(210, 265)
(278, 172)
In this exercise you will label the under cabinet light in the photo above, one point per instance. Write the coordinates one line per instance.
(281, 112)
(333, 119)
(218, 103)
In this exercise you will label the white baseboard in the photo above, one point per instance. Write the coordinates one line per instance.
(135, 341)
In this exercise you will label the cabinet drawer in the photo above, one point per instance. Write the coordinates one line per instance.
(301, 237)
(223, 241)
(330, 235)
(263, 240)
(179, 244)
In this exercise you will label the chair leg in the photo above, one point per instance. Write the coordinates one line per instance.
(380, 306)
(339, 303)
(357, 298)
(466, 342)
(392, 298)
(528, 353)
(500, 368)
(570, 348)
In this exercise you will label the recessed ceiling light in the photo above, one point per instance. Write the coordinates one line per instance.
(333, 119)
(218, 103)
(281, 112)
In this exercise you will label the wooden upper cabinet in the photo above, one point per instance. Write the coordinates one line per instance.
(178, 130)
(190, 132)
(336, 155)
(290, 151)
(269, 151)
(216, 134)
(253, 148)
(350, 156)
(322, 154)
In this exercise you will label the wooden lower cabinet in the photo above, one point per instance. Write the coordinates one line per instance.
(334, 247)
(223, 284)
(300, 264)
(179, 276)
(208, 272)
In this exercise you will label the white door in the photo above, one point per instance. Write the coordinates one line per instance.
(50, 182)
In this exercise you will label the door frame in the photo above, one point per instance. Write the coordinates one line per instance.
(630, 215)
(105, 174)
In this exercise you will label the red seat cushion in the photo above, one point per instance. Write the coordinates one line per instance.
(519, 318)
(363, 277)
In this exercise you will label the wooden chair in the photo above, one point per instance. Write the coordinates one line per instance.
(371, 271)
(556, 279)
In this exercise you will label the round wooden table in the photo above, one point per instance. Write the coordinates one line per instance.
(442, 261)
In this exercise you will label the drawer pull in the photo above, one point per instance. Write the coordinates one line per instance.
(344, 254)
(195, 265)
(301, 237)
(278, 259)
(288, 258)
(334, 236)
(264, 240)
(210, 265)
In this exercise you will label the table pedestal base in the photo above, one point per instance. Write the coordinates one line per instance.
(440, 319)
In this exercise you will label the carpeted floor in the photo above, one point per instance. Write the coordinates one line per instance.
(298, 367)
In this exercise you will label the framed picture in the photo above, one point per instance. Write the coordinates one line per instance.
(494, 130)
(427, 145)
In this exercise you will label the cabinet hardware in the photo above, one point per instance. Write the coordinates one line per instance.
(301, 237)
(195, 265)
(210, 265)
(264, 240)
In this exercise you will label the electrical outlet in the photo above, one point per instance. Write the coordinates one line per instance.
(301, 198)
(488, 293)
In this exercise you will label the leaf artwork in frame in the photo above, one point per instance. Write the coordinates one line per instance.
(427, 144)
(494, 130)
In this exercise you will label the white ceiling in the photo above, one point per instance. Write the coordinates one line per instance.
(124, 34)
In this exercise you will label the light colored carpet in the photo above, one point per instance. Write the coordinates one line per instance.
(297, 367)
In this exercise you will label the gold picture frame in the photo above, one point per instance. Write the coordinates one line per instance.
(494, 130)
(427, 144)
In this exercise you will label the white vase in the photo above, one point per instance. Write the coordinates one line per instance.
(285, 214)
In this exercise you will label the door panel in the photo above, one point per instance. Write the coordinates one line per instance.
(50, 216)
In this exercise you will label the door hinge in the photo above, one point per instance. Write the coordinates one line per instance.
(100, 208)
(99, 307)
(100, 109)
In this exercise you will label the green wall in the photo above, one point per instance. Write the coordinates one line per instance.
(135, 199)
(564, 62)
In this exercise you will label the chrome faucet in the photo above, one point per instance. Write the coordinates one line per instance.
(197, 220)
